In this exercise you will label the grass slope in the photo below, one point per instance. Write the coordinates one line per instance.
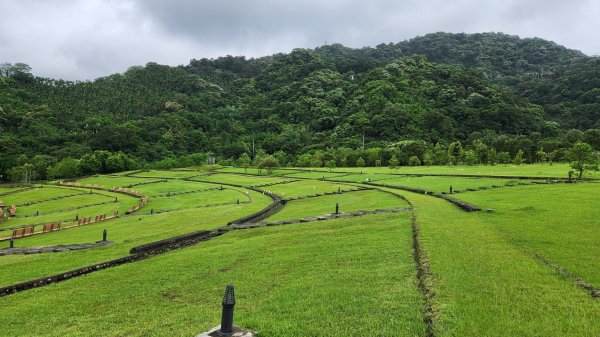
(297, 280)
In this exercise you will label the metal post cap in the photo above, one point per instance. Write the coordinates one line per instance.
(229, 297)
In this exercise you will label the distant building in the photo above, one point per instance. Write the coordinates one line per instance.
(210, 161)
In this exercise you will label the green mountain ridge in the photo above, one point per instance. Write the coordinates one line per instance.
(439, 88)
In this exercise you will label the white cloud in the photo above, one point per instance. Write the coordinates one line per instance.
(86, 39)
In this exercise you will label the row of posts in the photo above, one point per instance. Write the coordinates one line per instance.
(12, 240)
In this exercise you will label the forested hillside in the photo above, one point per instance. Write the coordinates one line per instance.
(441, 98)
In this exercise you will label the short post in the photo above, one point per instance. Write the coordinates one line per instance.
(152, 211)
(450, 189)
(339, 190)
(37, 213)
(76, 217)
(104, 235)
(337, 208)
(221, 187)
(227, 315)
(238, 201)
(116, 199)
(12, 243)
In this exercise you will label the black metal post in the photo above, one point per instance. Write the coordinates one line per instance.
(104, 235)
(76, 217)
(37, 213)
(116, 199)
(12, 243)
(152, 211)
(238, 201)
(450, 189)
(227, 315)
(339, 190)
(337, 208)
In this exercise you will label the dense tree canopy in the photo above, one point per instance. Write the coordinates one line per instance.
(439, 99)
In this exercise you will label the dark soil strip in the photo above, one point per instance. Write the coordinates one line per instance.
(424, 278)
(593, 291)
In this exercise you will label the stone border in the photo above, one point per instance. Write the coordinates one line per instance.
(52, 249)
(170, 243)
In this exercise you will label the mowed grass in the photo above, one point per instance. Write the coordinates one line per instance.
(198, 199)
(65, 203)
(486, 286)
(255, 171)
(66, 214)
(306, 187)
(37, 194)
(348, 202)
(363, 177)
(168, 174)
(314, 175)
(243, 180)
(442, 184)
(525, 170)
(126, 232)
(559, 222)
(115, 181)
(173, 186)
(299, 280)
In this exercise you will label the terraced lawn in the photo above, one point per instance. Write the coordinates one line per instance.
(290, 281)
(348, 202)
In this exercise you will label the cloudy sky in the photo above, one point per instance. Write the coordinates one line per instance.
(85, 39)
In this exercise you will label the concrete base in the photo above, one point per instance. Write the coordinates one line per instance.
(237, 332)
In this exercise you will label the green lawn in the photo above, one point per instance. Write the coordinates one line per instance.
(485, 285)
(442, 184)
(37, 194)
(197, 199)
(298, 280)
(242, 180)
(559, 222)
(315, 175)
(173, 186)
(126, 232)
(348, 202)
(113, 181)
(344, 277)
(255, 171)
(306, 187)
(534, 170)
(168, 174)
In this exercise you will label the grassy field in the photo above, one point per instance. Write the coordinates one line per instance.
(168, 174)
(243, 180)
(348, 202)
(439, 185)
(518, 270)
(532, 170)
(297, 280)
(305, 187)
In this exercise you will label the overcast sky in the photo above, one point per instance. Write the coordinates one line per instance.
(85, 39)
